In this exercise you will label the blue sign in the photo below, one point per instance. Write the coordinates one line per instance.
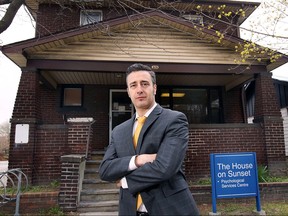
(234, 175)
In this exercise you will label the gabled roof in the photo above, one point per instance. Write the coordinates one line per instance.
(136, 36)
(152, 37)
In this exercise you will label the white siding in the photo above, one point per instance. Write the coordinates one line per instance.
(285, 126)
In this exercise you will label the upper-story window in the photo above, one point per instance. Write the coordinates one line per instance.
(197, 19)
(90, 16)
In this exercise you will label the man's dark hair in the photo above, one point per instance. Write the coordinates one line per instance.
(141, 67)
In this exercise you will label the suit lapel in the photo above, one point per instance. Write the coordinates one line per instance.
(149, 121)
(128, 136)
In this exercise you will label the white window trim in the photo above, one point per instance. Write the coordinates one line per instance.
(197, 19)
(85, 12)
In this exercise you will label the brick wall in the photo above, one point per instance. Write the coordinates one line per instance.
(71, 181)
(78, 133)
(269, 192)
(266, 103)
(96, 105)
(233, 112)
(50, 136)
(26, 111)
(49, 106)
(207, 139)
(26, 102)
(100, 98)
(52, 144)
(267, 113)
(34, 203)
(55, 141)
(53, 18)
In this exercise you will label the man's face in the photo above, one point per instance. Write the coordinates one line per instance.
(141, 90)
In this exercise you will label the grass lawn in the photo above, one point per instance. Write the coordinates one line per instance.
(270, 208)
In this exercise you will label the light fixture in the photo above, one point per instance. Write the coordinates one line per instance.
(155, 67)
(118, 75)
(179, 94)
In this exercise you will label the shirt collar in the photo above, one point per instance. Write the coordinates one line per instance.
(148, 112)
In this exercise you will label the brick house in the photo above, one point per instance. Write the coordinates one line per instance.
(281, 88)
(72, 87)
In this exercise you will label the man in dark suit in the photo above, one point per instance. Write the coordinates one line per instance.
(149, 171)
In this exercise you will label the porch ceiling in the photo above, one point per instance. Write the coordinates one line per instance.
(229, 81)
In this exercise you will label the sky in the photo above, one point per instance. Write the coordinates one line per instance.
(22, 29)
(270, 18)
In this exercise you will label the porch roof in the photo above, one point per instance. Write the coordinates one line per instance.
(172, 45)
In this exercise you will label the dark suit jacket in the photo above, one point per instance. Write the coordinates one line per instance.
(162, 183)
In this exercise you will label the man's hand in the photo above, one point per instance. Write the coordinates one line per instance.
(140, 160)
(118, 183)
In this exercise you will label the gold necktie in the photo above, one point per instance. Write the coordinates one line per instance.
(141, 121)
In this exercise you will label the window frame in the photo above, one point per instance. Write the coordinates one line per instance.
(194, 18)
(64, 87)
(85, 13)
(209, 100)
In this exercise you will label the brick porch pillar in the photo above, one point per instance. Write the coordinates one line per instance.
(72, 174)
(267, 113)
(25, 112)
(80, 135)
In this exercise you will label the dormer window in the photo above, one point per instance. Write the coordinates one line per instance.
(90, 16)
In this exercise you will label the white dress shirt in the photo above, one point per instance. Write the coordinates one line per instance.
(132, 165)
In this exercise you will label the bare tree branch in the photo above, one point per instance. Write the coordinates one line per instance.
(3, 2)
(12, 9)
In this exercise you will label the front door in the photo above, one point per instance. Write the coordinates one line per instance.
(121, 108)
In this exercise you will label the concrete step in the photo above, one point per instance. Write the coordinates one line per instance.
(99, 214)
(97, 184)
(92, 164)
(91, 206)
(91, 173)
(99, 195)
(97, 155)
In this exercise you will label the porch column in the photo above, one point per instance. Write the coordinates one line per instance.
(25, 115)
(267, 113)
(80, 135)
(72, 174)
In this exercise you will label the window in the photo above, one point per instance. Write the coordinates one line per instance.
(90, 16)
(200, 105)
(72, 97)
(250, 98)
(197, 19)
